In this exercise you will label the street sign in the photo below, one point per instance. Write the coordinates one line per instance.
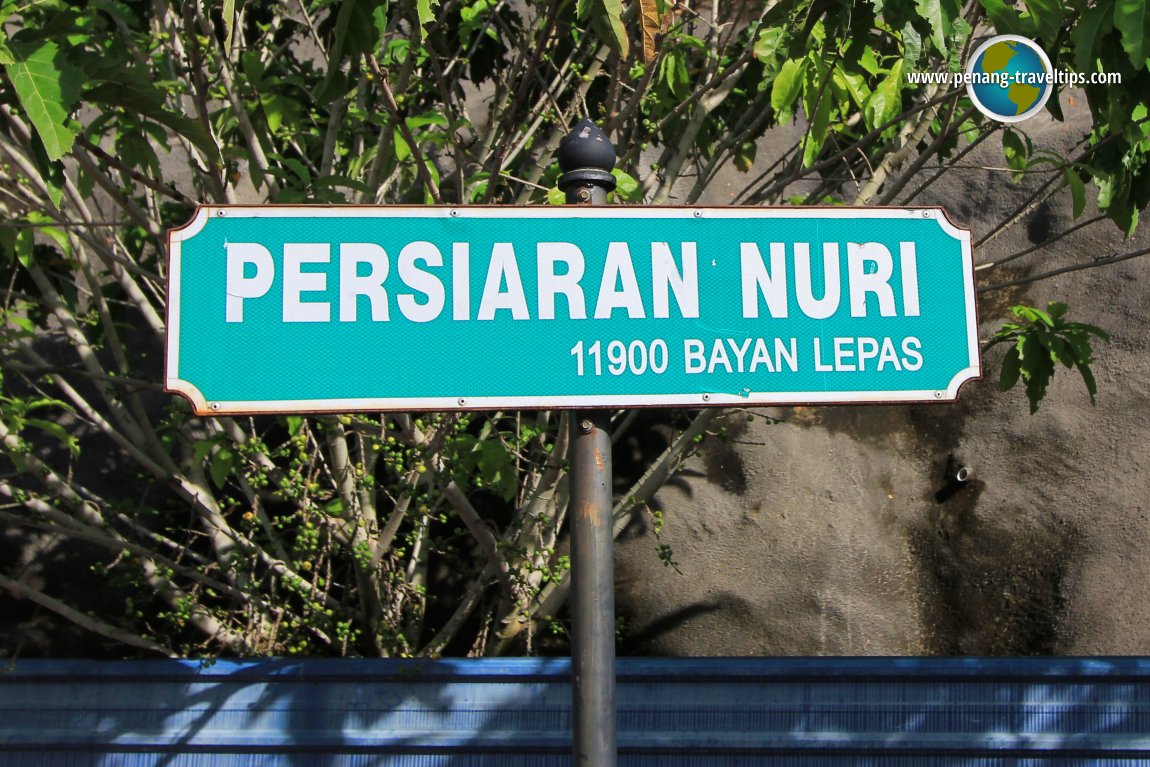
(310, 309)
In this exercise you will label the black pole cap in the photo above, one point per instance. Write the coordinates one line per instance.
(586, 146)
(586, 157)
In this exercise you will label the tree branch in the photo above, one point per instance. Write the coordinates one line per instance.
(401, 123)
(83, 620)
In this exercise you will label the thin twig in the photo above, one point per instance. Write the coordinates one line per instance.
(1044, 244)
(552, 597)
(82, 619)
(479, 531)
(1064, 270)
(401, 123)
(135, 175)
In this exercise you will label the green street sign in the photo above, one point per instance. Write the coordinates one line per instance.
(310, 309)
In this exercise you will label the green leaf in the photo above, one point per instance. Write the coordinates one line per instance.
(23, 323)
(334, 182)
(770, 45)
(673, 70)
(1037, 368)
(1074, 329)
(786, 88)
(886, 99)
(223, 464)
(817, 103)
(1109, 188)
(1077, 191)
(1081, 346)
(132, 91)
(274, 106)
(1047, 15)
(298, 169)
(1006, 19)
(359, 26)
(44, 226)
(426, 16)
(48, 87)
(1032, 315)
(201, 449)
(36, 404)
(6, 56)
(1016, 148)
(294, 423)
(1011, 367)
(422, 121)
(1036, 387)
(1030, 350)
(1094, 24)
(1057, 310)
(25, 245)
(940, 14)
(1043, 339)
(135, 151)
(1132, 19)
(477, 189)
(57, 431)
(1061, 351)
(556, 196)
(744, 156)
(497, 466)
(229, 14)
(626, 187)
(400, 145)
(607, 20)
(119, 11)
(854, 84)
(1088, 378)
(960, 34)
(911, 44)
(365, 24)
(51, 172)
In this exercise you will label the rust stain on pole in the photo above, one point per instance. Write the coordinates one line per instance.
(591, 513)
(598, 459)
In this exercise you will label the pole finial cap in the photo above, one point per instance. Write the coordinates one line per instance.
(586, 146)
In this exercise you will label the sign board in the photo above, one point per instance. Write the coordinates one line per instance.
(309, 309)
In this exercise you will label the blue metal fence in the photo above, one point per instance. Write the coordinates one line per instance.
(516, 713)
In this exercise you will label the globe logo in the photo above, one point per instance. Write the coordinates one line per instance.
(1009, 78)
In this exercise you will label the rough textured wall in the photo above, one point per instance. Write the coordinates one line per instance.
(835, 531)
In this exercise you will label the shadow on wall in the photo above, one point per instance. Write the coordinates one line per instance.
(848, 531)
(994, 589)
(515, 713)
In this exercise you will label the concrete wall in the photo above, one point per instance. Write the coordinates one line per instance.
(833, 530)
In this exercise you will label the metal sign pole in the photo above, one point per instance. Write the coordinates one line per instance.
(586, 157)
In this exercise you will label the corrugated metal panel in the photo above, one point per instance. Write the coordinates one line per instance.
(512, 713)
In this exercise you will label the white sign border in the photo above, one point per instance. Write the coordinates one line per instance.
(204, 213)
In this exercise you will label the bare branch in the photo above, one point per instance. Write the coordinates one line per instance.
(1065, 270)
(479, 531)
(552, 597)
(93, 624)
(401, 122)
